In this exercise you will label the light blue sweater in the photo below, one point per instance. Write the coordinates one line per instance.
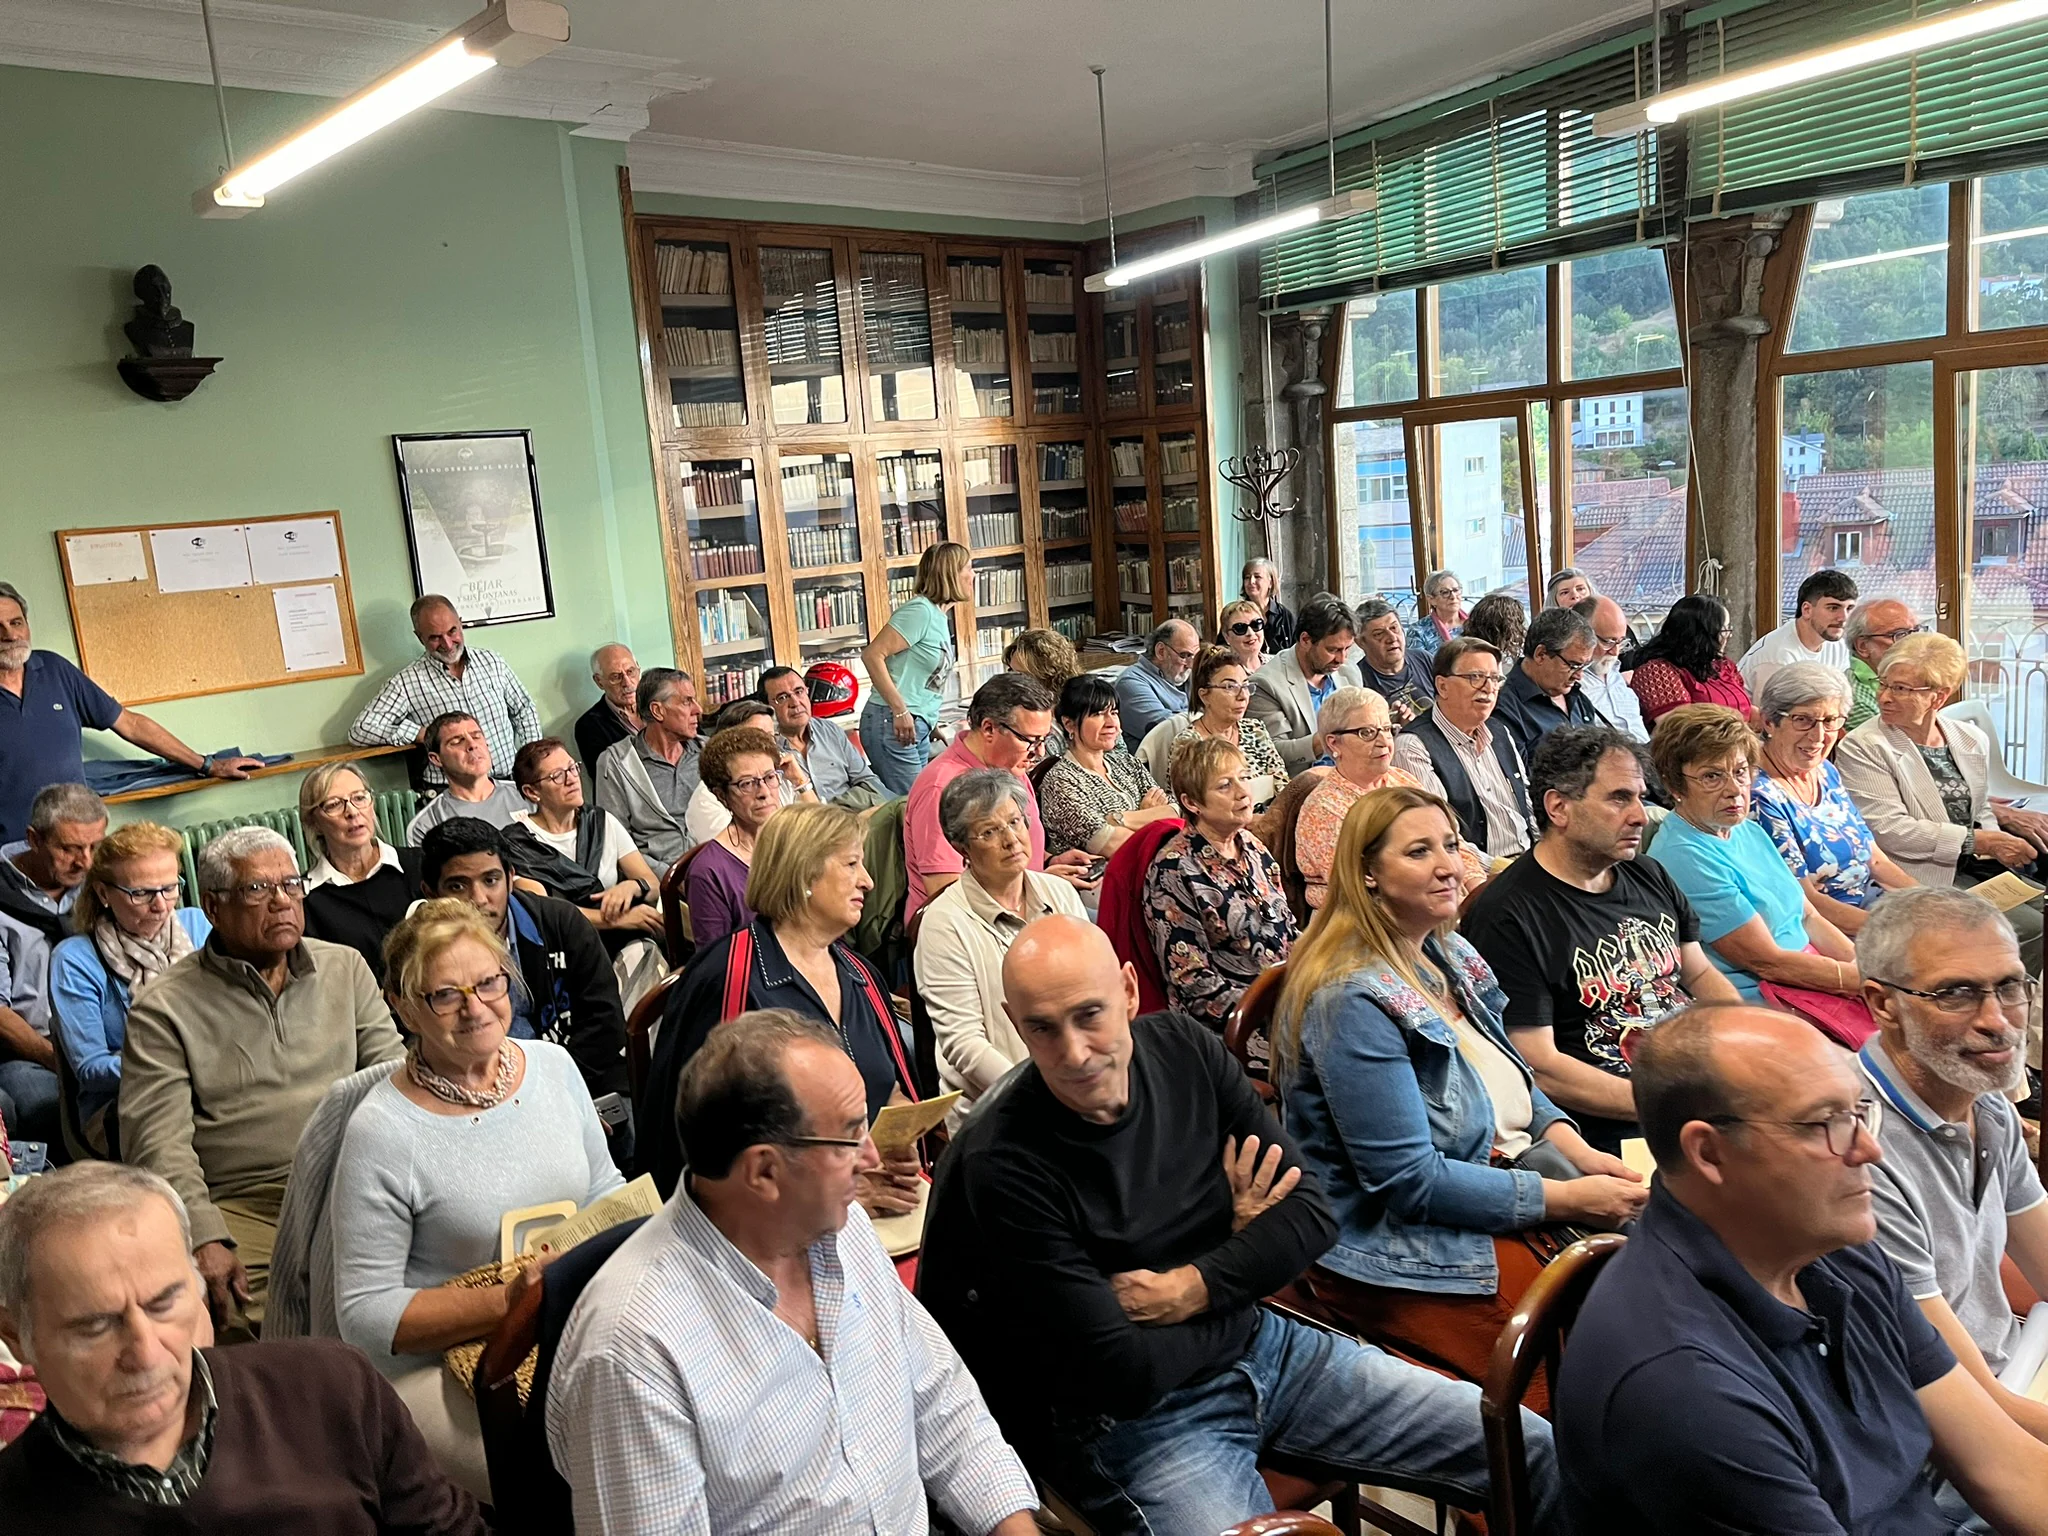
(89, 1012)
(417, 1196)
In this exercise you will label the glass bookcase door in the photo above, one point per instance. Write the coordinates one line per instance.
(733, 638)
(699, 349)
(1173, 357)
(913, 495)
(1063, 519)
(995, 508)
(1052, 336)
(723, 517)
(800, 334)
(819, 517)
(981, 336)
(1121, 364)
(1180, 520)
(999, 611)
(896, 321)
(1132, 510)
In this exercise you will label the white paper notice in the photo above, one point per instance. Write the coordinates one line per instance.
(300, 550)
(309, 624)
(102, 559)
(200, 559)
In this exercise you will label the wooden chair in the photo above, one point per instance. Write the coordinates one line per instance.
(675, 913)
(1533, 1337)
(1280, 820)
(1291, 1522)
(640, 1032)
(1255, 1012)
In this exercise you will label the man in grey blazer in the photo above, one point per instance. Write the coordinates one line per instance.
(1289, 690)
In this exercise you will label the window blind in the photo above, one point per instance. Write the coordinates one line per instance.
(1507, 175)
(1944, 114)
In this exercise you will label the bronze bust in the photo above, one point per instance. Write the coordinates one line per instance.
(157, 330)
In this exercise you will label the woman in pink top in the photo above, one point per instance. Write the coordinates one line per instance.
(1685, 662)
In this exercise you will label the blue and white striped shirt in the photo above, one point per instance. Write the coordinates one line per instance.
(681, 1403)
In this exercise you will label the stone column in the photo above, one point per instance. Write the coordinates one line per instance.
(1724, 285)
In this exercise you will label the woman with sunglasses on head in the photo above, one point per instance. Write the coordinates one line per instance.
(1097, 794)
(1242, 630)
(470, 1125)
(357, 885)
(1799, 800)
(1220, 693)
(130, 930)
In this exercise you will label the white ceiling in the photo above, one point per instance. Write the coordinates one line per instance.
(997, 87)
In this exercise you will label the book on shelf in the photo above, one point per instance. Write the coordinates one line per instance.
(1063, 522)
(1170, 331)
(1177, 456)
(1136, 621)
(902, 587)
(789, 272)
(692, 268)
(998, 586)
(909, 476)
(989, 464)
(906, 536)
(726, 684)
(816, 479)
(711, 559)
(994, 530)
(983, 400)
(895, 339)
(711, 489)
(1121, 393)
(1181, 512)
(1134, 574)
(1133, 516)
(1056, 399)
(973, 344)
(1127, 458)
(1053, 346)
(1069, 578)
(828, 608)
(795, 338)
(824, 545)
(1062, 461)
(1055, 287)
(978, 282)
(690, 346)
(991, 640)
(1184, 575)
(708, 413)
(1173, 384)
(1075, 626)
(726, 617)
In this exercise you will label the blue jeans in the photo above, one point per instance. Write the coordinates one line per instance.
(1192, 1463)
(28, 1103)
(895, 764)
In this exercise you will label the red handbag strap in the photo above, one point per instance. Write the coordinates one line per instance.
(739, 965)
(886, 1017)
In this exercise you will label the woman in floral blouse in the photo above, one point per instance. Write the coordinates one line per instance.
(1220, 692)
(1097, 794)
(1214, 904)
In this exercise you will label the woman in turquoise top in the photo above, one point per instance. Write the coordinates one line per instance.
(908, 665)
(1757, 922)
(130, 931)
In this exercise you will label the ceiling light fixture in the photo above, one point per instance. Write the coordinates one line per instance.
(1338, 205)
(510, 33)
(1817, 64)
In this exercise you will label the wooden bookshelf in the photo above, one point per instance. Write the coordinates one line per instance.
(826, 403)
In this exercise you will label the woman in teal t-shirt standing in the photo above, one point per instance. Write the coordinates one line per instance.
(908, 663)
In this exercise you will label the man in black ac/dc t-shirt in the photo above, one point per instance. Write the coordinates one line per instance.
(1589, 941)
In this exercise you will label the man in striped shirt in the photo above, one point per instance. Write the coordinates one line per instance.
(748, 1359)
(450, 679)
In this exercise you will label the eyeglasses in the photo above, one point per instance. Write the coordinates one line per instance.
(447, 1001)
(257, 892)
(1034, 744)
(989, 837)
(1717, 779)
(1574, 667)
(1235, 690)
(335, 805)
(1908, 688)
(1248, 627)
(1964, 999)
(1803, 723)
(562, 775)
(143, 895)
(1606, 644)
(1837, 1130)
(1365, 732)
(1893, 636)
(755, 785)
(1478, 682)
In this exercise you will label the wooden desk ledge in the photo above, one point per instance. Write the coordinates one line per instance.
(300, 763)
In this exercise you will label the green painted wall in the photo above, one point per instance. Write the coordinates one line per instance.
(463, 271)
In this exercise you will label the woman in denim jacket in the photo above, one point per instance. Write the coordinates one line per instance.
(1407, 1102)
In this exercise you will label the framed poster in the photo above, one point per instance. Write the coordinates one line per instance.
(472, 520)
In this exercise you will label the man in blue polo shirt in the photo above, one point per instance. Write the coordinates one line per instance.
(1752, 1361)
(45, 705)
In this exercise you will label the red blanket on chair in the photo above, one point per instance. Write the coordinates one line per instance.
(1121, 909)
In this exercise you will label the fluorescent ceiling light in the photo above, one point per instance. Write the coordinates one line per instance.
(1341, 206)
(511, 32)
(1896, 42)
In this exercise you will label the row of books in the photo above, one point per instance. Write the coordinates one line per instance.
(723, 617)
(1053, 346)
(1063, 522)
(1174, 384)
(723, 685)
(984, 400)
(690, 346)
(902, 588)
(822, 608)
(1135, 621)
(708, 413)
(824, 546)
(801, 337)
(818, 478)
(989, 464)
(978, 281)
(788, 273)
(991, 640)
(1177, 456)
(711, 559)
(998, 586)
(1120, 393)
(1062, 461)
(1181, 513)
(1184, 575)
(708, 488)
(899, 339)
(1170, 331)
(1062, 399)
(1127, 458)
(994, 530)
(907, 476)
(1075, 626)
(980, 344)
(692, 268)
(1133, 516)
(1134, 574)
(1069, 578)
(1049, 287)
(912, 535)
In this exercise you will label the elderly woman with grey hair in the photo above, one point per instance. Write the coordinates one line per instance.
(1443, 613)
(968, 928)
(1262, 586)
(1798, 798)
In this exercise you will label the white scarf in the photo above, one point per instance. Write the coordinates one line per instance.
(136, 960)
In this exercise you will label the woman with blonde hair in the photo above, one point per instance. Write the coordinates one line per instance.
(1440, 1156)
(1050, 657)
(1241, 629)
(357, 885)
(129, 931)
(909, 665)
(471, 1125)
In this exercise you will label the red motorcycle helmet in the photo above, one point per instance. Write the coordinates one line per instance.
(834, 688)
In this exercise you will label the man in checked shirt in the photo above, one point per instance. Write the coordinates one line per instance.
(749, 1360)
(450, 678)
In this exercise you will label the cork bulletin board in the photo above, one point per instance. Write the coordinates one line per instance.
(179, 610)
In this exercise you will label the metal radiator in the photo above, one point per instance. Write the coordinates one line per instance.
(395, 811)
(284, 820)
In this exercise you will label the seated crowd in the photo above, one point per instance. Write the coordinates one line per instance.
(1300, 991)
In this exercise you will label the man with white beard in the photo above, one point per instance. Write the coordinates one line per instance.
(45, 705)
(1956, 1191)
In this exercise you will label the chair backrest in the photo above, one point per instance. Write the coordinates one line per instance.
(1254, 1012)
(1284, 814)
(530, 1496)
(1534, 1337)
(1039, 770)
(1291, 1522)
(675, 914)
(1121, 907)
(640, 1032)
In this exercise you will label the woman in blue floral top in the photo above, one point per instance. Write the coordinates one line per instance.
(1214, 902)
(1798, 797)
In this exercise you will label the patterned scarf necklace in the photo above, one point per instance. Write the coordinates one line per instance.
(440, 1087)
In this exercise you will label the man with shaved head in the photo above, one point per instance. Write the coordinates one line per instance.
(1752, 1360)
(1101, 1233)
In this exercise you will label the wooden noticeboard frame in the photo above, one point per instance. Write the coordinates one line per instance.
(145, 646)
